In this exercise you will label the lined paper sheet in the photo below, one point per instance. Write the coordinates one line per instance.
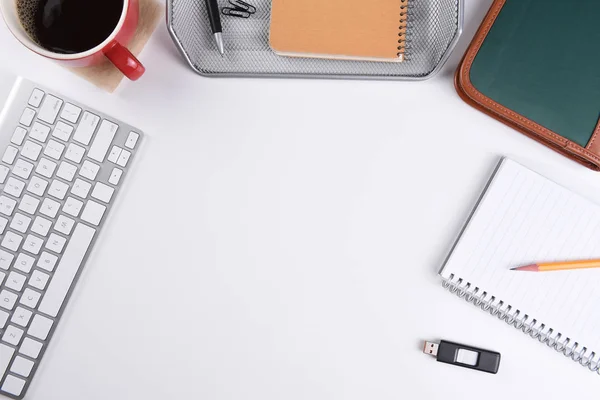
(524, 218)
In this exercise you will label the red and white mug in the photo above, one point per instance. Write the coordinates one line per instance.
(113, 47)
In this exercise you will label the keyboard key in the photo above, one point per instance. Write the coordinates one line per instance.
(102, 192)
(11, 241)
(4, 171)
(7, 205)
(58, 189)
(30, 298)
(89, 170)
(124, 158)
(115, 176)
(39, 132)
(46, 167)
(75, 153)
(20, 223)
(14, 187)
(10, 154)
(64, 225)
(86, 128)
(41, 226)
(12, 335)
(81, 188)
(6, 353)
(15, 281)
(132, 140)
(93, 213)
(5, 259)
(114, 154)
(40, 326)
(7, 299)
(72, 206)
(35, 100)
(102, 142)
(66, 171)
(31, 150)
(50, 109)
(2, 276)
(21, 317)
(37, 186)
(56, 243)
(33, 244)
(31, 348)
(19, 136)
(29, 204)
(24, 263)
(3, 224)
(49, 207)
(67, 269)
(70, 113)
(13, 385)
(54, 149)
(38, 279)
(62, 131)
(21, 366)
(3, 319)
(47, 261)
(23, 169)
(27, 117)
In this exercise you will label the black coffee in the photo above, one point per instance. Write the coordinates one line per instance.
(69, 26)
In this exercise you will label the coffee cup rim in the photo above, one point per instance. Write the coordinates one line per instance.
(23, 37)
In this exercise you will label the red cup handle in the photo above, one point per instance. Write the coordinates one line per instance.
(122, 58)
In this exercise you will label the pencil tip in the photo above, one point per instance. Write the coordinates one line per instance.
(531, 268)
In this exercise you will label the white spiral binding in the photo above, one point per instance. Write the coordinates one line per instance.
(524, 322)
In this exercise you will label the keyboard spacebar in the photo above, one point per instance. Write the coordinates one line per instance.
(67, 269)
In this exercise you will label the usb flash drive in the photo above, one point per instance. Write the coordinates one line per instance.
(464, 356)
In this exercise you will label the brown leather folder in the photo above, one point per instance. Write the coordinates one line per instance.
(535, 66)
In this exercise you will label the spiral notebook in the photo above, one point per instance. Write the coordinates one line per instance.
(370, 30)
(523, 218)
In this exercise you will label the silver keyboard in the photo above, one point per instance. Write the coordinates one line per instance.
(61, 168)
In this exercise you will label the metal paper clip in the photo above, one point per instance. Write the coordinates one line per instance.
(235, 12)
(240, 9)
(242, 5)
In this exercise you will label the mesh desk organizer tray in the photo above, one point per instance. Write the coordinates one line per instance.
(433, 29)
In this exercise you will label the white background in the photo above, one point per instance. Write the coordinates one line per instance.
(280, 239)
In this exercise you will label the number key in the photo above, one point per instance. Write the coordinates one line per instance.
(23, 169)
(31, 150)
(46, 168)
(37, 186)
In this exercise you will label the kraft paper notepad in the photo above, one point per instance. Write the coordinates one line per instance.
(523, 218)
(370, 30)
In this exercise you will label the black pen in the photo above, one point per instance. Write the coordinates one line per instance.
(215, 23)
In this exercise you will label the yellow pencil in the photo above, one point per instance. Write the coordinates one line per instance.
(559, 266)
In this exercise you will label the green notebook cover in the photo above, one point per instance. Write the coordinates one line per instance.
(541, 59)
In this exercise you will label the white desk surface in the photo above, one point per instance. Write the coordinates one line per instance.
(280, 239)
